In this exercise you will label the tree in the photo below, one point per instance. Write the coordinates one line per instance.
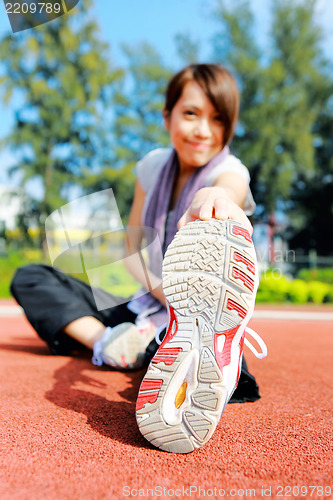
(313, 200)
(138, 109)
(188, 48)
(120, 179)
(137, 124)
(60, 76)
(285, 89)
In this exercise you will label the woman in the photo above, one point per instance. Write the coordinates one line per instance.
(197, 179)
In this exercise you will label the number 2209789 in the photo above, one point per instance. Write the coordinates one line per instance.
(33, 8)
(303, 491)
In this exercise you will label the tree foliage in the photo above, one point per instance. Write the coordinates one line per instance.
(188, 48)
(59, 79)
(80, 120)
(138, 108)
(137, 124)
(285, 89)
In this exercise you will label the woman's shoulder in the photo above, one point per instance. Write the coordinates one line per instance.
(230, 164)
(154, 157)
(149, 167)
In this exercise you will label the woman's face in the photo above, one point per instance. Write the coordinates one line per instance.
(196, 128)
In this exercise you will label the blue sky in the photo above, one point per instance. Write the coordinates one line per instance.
(157, 22)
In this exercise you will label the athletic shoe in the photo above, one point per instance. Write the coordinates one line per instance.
(210, 282)
(124, 346)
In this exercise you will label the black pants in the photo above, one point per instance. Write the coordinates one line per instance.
(51, 300)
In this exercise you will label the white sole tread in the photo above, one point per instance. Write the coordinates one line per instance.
(209, 282)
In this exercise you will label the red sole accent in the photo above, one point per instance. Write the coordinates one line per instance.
(150, 384)
(169, 335)
(164, 354)
(248, 282)
(148, 397)
(233, 306)
(170, 351)
(143, 399)
(241, 345)
(224, 358)
(240, 258)
(240, 231)
(163, 359)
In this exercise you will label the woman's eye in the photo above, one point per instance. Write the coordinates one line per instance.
(189, 112)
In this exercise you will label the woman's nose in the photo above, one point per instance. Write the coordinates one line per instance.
(202, 128)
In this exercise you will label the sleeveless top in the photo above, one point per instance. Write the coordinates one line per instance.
(149, 167)
(148, 170)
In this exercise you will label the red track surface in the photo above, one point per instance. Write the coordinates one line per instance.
(69, 430)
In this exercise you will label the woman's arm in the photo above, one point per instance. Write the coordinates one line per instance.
(224, 200)
(132, 247)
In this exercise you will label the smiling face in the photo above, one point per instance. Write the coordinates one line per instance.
(196, 128)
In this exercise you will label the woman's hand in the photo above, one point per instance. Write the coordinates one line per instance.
(213, 202)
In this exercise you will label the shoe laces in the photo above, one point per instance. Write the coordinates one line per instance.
(260, 342)
(143, 321)
(249, 331)
(158, 333)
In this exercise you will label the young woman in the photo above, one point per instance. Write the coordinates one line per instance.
(197, 179)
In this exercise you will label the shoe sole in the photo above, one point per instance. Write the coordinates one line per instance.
(210, 282)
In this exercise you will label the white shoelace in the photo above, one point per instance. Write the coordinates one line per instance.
(260, 342)
(158, 333)
(143, 319)
(248, 330)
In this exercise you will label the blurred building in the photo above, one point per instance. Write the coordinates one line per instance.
(11, 205)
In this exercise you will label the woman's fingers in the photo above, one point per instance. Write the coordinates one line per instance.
(185, 219)
(208, 203)
(202, 207)
(221, 208)
(205, 212)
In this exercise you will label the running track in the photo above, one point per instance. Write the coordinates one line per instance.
(69, 432)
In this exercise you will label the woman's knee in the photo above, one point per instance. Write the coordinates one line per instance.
(25, 276)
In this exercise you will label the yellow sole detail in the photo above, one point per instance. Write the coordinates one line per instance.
(181, 395)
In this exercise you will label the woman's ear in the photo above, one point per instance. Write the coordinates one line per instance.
(166, 118)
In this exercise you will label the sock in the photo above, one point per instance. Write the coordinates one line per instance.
(97, 358)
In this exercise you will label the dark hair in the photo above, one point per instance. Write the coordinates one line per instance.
(219, 86)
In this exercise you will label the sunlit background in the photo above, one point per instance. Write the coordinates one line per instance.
(81, 100)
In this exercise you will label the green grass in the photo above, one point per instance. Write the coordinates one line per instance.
(114, 278)
(278, 289)
(9, 263)
(324, 275)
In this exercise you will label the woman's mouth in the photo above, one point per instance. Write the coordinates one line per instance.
(200, 146)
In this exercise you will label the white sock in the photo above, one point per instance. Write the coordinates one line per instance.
(97, 358)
